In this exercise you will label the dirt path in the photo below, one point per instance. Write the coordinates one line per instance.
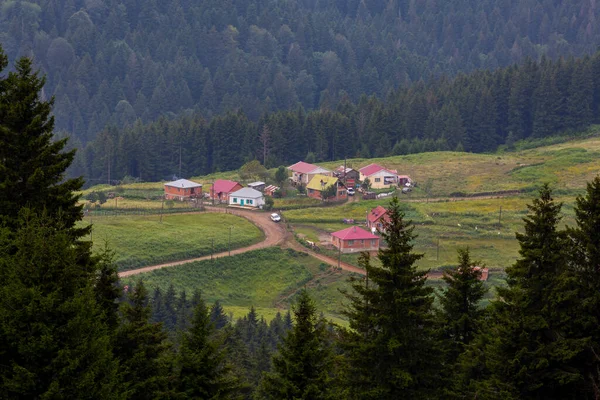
(275, 235)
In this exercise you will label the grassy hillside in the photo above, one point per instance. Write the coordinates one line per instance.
(267, 279)
(138, 241)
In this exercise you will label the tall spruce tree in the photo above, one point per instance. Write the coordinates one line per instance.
(203, 370)
(142, 348)
(53, 339)
(32, 165)
(584, 254)
(530, 349)
(461, 313)
(302, 369)
(395, 311)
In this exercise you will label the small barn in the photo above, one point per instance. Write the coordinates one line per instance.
(247, 197)
(320, 183)
(260, 186)
(182, 189)
(348, 175)
(270, 190)
(222, 188)
(354, 239)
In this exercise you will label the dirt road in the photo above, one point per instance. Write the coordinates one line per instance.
(275, 235)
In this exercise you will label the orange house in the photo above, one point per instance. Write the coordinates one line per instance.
(354, 239)
(182, 189)
(222, 188)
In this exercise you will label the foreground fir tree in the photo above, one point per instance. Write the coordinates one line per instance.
(53, 339)
(203, 370)
(461, 313)
(142, 348)
(391, 346)
(584, 252)
(32, 165)
(529, 348)
(302, 369)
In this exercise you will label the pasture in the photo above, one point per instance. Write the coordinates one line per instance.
(138, 241)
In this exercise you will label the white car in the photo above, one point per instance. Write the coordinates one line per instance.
(350, 192)
(275, 217)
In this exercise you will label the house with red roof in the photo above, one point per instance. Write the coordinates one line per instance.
(376, 217)
(380, 177)
(354, 239)
(485, 273)
(222, 188)
(302, 172)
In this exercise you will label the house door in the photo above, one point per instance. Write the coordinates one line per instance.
(241, 202)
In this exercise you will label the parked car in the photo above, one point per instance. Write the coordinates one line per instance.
(405, 190)
(275, 217)
(350, 192)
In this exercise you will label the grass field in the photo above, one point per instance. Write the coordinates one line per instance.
(139, 241)
(267, 279)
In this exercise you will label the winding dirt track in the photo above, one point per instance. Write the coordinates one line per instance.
(275, 235)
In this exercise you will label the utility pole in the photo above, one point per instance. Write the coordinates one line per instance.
(340, 254)
(230, 240)
(500, 217)
(213, 249)
(179, 160)
(437, 257)
(162, 206)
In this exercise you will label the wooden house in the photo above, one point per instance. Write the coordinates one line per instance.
(348, 175)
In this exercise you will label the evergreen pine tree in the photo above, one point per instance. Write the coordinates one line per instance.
(302, 368)
(394, 312)
(53, 340)
(203, 370)
(142, 348)
(584, 254)
(461, 313)
(32, 165)
(530, 349)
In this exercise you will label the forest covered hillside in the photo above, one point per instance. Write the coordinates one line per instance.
(112, 62)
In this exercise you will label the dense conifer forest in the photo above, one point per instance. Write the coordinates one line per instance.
(119, 61)
(476, 112)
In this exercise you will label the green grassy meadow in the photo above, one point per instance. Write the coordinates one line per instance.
(267, 279)
(142, 240)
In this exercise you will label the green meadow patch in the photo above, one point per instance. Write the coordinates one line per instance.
(143, 240)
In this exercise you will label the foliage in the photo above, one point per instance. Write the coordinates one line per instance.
(302, 368)
(269, 202)
(391, 344)
(253, 170)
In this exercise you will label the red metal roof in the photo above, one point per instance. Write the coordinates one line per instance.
(223, 186)
(376, 213)
(354, 233)
(302, 167)
(374, 168)
(484, 273)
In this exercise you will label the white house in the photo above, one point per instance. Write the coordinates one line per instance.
(302, 173)
(379, 176)
(246, 197)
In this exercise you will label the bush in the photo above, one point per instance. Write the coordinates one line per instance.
(268, 203)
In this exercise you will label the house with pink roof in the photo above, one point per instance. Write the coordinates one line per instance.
(380, 177)
(303, 172)
(354, 239)
(222, 188)
(376, 217)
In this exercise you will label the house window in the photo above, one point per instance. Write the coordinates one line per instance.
(362, 242)
(373, 242)
(342, 193)
(235, 199)
(350, 242)
(377, 179)
(249, 201)
(311, 191)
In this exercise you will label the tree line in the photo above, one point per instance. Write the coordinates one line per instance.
(477, 112)
(118, 61)
(69, 330)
